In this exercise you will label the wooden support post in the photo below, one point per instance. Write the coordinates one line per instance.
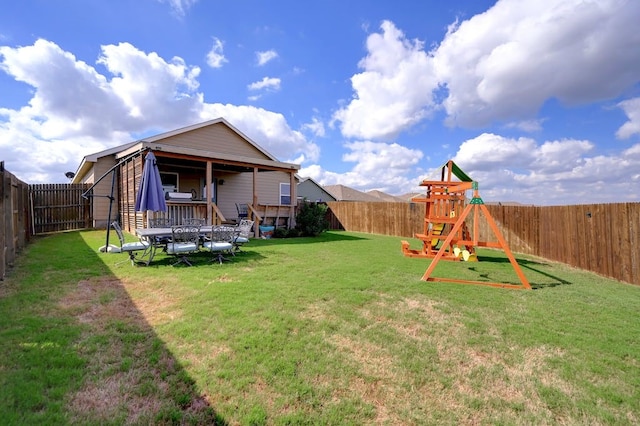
(502, 243)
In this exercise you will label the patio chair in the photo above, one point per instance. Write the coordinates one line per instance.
(243, 211)
(219, 242)
(193, 221)
(185, 240)
(131, 248)
(242, 235)
(161, 222)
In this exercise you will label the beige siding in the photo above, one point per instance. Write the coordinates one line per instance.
(100, 202)
(237, 188)
(269, 186)
(218, 138)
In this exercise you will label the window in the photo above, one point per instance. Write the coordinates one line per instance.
(169, 181)
(285, 193)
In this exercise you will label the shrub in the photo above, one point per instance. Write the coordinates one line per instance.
(281, 233)
(310, 220)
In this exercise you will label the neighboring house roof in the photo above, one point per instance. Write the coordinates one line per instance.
(409, 195)
(505, 203)
(383, 196)
(155, 143)
(304, 181)
(344, 193)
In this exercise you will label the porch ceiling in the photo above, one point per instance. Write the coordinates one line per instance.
(200, 165)
(193, 156)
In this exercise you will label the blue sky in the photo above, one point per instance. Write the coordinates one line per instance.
(537, 101)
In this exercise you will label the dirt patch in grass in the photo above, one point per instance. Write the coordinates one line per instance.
(131, 377)
(458, 379)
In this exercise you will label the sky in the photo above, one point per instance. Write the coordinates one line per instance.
(537, 101)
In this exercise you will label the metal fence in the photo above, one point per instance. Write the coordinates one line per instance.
(602, 238)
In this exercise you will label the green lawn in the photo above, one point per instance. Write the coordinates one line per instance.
(337, 329)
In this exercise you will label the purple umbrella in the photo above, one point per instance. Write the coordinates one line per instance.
(150, 195)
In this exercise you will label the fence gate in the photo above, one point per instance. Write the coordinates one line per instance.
(59, 207)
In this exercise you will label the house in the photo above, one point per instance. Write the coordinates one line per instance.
(211, 158)
(383, 196)
(345, 193)
(311, 190)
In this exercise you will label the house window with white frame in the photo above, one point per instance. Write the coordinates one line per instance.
(285, 193)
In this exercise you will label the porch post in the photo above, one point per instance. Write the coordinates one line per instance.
(294, 200)
(208, 191)
(254, 200)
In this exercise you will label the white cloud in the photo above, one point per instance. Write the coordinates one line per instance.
(263, 57)
(554, 172)
(180, 7)
(381, 166)
(155, 91)
(529, 126)
(215, 57)
(394, 92)
(268, 129)
(631, 108)
(316, 127)
(498, 66)
(505, 63)
(268, 83)
(76, 111)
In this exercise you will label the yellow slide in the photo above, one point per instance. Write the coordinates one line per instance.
(436, 230)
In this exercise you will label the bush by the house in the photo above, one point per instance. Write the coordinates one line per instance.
(310, 220)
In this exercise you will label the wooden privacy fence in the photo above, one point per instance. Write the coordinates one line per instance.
(59, 207)
(602, 238)
(27, 210)
(14, 218)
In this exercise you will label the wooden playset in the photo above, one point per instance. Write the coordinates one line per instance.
(445, 235)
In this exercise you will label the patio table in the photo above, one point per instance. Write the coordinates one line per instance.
(154, 236)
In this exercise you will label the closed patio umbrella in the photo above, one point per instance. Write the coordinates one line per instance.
(150, 195)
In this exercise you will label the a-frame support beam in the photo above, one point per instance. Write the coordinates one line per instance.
(501, 241)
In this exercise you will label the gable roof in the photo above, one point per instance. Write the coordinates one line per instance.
(383, 196)
(155, 142)
(303, 181)
(171, 133)
(344, 193)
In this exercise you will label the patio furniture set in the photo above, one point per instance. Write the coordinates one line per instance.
(181, 241)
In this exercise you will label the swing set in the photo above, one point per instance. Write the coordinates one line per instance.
(445, 235)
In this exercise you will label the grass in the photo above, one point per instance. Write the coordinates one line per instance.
(337, 329)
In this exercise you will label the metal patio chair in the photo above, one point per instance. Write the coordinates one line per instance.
(131, 248)
(243, 234)
(185, 240)
(219, 241)
(243, 211)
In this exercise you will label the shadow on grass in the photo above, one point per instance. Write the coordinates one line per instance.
(204, 259)
(527, 264)
(89, 356)
(325, 237)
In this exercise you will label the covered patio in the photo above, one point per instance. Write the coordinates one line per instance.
(207, 171)
(188, 175)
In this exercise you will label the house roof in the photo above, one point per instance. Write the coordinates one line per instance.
(192, 127)
(344, 193)
(383, 196)
(155, 143)
(302, 180)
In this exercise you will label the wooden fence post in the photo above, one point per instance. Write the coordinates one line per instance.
(3, 223)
